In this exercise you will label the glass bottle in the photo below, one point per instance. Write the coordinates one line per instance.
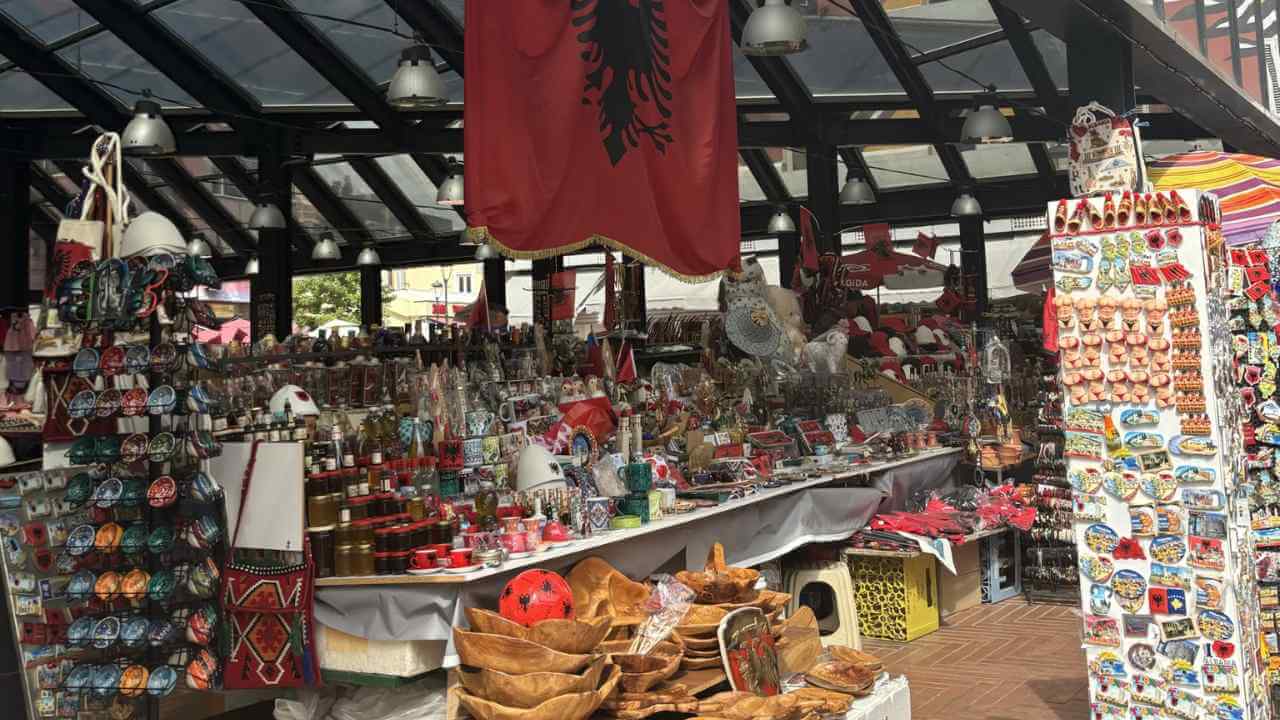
(321, 345)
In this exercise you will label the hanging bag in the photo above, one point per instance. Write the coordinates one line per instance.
(268, 610)
(1105, 153)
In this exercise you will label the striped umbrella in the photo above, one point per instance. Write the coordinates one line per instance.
(1247, 185)
(1032, 273)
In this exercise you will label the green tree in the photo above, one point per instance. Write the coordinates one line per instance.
(317, 299)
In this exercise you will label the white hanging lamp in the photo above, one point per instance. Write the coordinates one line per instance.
(774, 28)
(450, 191)
(368, 257)
(781, 222)
(966, 205)
(326, 249)
(197, 246)
(147, 134)
(416, 85)
(251, 267)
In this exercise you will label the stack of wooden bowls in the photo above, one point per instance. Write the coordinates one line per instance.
(549, 671)
(698, 631)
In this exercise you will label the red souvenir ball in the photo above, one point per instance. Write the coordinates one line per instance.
(535, 595)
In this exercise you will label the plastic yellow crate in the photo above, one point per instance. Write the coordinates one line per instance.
(897, 596)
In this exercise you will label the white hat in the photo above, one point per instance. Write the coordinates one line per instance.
(898, 347)
(7, 457)
(151, 233)
(537, 469)
(300, 401)
(924, 336)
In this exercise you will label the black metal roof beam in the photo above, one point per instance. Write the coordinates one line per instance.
(49, 188)
(331, 62)
(1030, 57)
(776, 72)
(393, 197)
(239, 175)
(955, 48)
(438, 28)
(61, 77)
(331, 207)
(203, 203)
(889, 43)
(766, 175)
(161, 47)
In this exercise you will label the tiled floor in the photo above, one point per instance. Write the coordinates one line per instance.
(1008, 661)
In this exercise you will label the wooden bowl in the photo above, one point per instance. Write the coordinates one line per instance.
(567, 636)
(704, 615)
(642, 672)
(734, 585)
(513, 655)
(666, 648)
(574, 706)
(698, 631)
(701, 643)
(531, 690)
(691, 653)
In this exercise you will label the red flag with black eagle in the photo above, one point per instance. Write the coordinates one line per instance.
(604, 121)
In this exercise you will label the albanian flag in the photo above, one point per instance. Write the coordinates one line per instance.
(604, 121)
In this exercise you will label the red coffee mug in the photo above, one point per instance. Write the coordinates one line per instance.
(423, 559)
(513, 542)
(460, 558)
(442, 553)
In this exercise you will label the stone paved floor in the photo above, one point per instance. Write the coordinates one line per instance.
(1008, 661)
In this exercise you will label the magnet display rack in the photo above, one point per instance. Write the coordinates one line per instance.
(66, 670)
(1049, 560)
(1154, 448)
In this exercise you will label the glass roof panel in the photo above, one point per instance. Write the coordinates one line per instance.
(48, 20)
(926, 25)
(307, 217)
(792, 166)
(375, 51)
(1054, 52)
(901, 166)
(456, 8)
(23, 92)
(197, 222)
(220, 187)
(994, 64)
(360, 199)
(107, 59)
(416, 186)
(998, 160)
(748, 188)
(841, 59)
(232, 39)
(747, 82)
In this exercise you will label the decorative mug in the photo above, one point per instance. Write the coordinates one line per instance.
(514, 542)
(479, 423)
(473, 452)
(423, 559)
(598, 513)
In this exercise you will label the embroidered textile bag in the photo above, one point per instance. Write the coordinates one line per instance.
(268, 610)
(1105, 153)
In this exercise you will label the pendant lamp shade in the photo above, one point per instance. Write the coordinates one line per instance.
(416, 85)
(251, 267)
(326, 249)
(781, 222)
(147, 133)
(986, 125)
(199, 247)
(450, 191)
(368, 257)
(966, 205)
(266, 216)
(485, 251)
(774, 28)
(856, 191)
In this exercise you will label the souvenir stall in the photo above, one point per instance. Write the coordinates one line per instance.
(1151, 436)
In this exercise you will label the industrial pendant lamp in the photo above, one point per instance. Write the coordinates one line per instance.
(986, 124)
(197, 246)
(450, 191)
(326, 249)
(416, 85)
(856, 191)
(781, 222)
(966, 205)
(147, 133)
(368, 257)
(485, 251)
(266, 216)
(774, 28)
(251, 267)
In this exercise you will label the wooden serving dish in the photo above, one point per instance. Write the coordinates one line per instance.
(567, 636)
(574, 706)
(701, 643)
(642, 672)
(532, 689)
(513, 655)
(666, 648)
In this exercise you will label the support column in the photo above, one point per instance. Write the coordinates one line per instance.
(541, 284)
(1099, 65)
(823, 172)
(973, 263)
(371, 296)
(271, 290)
(495, 281)
(15, 216)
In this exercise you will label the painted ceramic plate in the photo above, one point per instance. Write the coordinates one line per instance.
(85, 363)
(133, 633)
(134, 584)
(106, 632)
(79, 678)
(161, 540)
(135, 491)
(162, 681)
(137, 358)
(112, 360)
(162, 400)
(134, 402)
(80, 489)
(109, 402)
(107, 539)
(163, 492)
(160, 588)
(83, 404)
(162, 632)
(107, 585)
(80, 632)
(1097, 569)
(80, 587)
(133, 681)
(80, 540)
(108, 493)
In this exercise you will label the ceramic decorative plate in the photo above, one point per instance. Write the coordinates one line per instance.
(80, 540)
(133, 402)
(160, 540)
(162, 400)
(85, 363)
(112, 360)
(80, 489)
(80, 632)
(109, 403)
(80, 587)
(134, 584)
(80, 677)
(133, 632)
(163, 492)
(135, 491)
(107, 585)
(106, 632)
(108, 493)
(137, 358)
(162, 681)
(162, 632)
(82, 405)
